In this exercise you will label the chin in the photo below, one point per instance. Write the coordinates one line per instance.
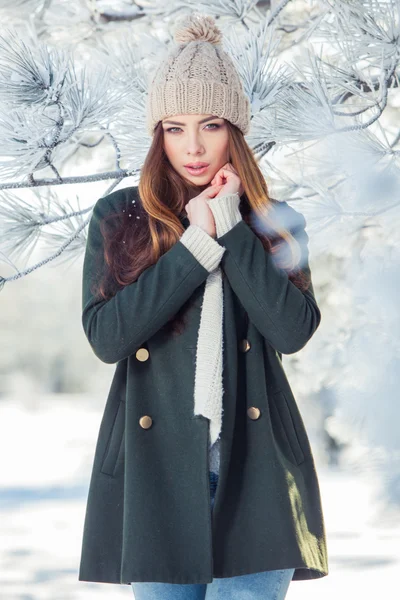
(198, 181)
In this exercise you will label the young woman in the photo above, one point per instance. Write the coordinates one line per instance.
(194, 284)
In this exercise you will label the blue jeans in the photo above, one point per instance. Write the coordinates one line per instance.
(267, 585)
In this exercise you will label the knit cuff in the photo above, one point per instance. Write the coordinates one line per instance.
(204, 247)
(226, 212)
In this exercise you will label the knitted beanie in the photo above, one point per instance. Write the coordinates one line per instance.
(197, 77)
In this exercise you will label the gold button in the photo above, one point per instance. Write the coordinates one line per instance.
(146, 422)
(253, 412)
(142, 354)
(244, 345)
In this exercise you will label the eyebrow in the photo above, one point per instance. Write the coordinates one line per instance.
(183, 124)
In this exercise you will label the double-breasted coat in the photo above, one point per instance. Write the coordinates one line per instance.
(148, 515)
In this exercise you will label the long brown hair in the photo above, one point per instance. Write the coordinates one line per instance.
(137, 238)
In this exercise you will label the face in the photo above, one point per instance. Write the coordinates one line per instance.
(196, 138)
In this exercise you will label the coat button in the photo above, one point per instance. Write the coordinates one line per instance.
(142, 354)
(244, 345)
(146, 422)
(253, 412)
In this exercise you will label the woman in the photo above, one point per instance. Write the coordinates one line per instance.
(194, 284)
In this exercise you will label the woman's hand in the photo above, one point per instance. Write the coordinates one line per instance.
(229, 178)
(199, 213)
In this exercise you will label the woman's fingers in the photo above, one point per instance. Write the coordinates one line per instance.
(214, 189)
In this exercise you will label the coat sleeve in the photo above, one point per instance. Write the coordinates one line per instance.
(285, 316)
(117, 327)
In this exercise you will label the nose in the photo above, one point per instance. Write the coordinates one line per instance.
(194, 143)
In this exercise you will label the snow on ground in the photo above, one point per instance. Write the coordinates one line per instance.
(47, 446)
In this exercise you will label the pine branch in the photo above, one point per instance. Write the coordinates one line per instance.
(62, 248)
(120, 174)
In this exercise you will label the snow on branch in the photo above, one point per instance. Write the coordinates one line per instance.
(47, 105)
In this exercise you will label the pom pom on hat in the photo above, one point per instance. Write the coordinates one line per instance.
(197, 27)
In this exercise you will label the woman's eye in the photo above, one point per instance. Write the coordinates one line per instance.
(209, 125)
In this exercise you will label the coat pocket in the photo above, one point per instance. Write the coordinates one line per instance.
(285, 428)
(115, 442)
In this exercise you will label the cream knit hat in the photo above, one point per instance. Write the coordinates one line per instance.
(197, 77)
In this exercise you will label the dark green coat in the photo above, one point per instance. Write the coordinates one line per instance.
(148, 513)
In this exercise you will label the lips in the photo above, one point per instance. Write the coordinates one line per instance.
(198, 171)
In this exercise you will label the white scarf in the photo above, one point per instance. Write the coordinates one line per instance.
(208, 389)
